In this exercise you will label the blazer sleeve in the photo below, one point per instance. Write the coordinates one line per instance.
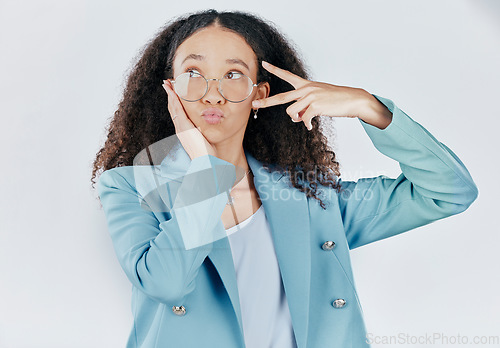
(434, 183)
(162, 259)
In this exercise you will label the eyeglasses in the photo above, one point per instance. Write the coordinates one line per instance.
(233, 86)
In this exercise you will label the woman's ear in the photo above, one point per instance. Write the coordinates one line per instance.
(263, 90)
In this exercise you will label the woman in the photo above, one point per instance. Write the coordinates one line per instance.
(230, 241)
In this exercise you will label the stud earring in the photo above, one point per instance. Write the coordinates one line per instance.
(255, 113)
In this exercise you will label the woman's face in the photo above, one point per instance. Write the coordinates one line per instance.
(213, 52)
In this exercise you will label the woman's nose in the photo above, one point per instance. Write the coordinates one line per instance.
(213, 95)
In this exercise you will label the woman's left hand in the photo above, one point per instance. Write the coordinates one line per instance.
(324, 99)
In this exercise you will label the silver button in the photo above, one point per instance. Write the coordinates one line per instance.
(328, 245)
(179, 310)
(338, 303)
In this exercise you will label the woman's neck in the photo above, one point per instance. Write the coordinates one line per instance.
(233, 155)
(236, 156)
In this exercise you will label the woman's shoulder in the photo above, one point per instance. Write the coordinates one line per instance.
(136, 178)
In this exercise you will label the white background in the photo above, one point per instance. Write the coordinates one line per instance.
(63, 66)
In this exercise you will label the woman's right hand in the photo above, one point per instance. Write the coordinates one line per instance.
(193, 141)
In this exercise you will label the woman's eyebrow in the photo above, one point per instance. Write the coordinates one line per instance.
(228, 61)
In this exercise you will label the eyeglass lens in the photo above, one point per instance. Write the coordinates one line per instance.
(234, 86)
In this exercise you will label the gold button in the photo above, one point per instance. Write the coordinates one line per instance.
(328, 245)
(338, 303)
(179, 310)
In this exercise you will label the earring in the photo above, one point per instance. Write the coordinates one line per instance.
(255, 113)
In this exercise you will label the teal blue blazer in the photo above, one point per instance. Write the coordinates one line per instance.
(165, 224)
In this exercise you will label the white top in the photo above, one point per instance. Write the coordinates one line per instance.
(264, 308)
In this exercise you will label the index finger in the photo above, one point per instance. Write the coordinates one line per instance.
(291, 78)
(281, 98)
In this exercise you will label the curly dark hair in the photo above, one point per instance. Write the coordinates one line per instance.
(142, 117)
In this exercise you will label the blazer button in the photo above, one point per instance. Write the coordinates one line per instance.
(179, 310)
(328, 245)
(338, 303)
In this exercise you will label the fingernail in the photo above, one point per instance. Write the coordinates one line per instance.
(264, 63)
(255, 103)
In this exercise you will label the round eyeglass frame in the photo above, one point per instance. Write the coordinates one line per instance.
(218, 87)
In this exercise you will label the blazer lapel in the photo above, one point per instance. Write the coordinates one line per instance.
(222, 259)
(287, 211)
(288, 215)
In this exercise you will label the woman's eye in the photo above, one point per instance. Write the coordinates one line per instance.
(190, 71)
(233, 75)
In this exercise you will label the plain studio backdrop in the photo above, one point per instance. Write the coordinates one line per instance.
(63, 67)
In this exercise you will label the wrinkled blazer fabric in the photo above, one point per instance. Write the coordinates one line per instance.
(165, 224)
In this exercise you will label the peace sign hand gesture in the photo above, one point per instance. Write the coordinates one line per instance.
(324, 99)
